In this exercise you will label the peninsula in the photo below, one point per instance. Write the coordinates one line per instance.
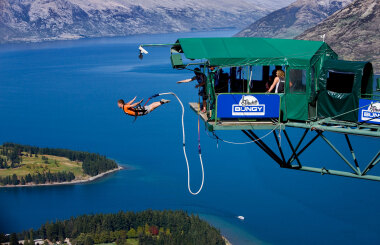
(24, 165)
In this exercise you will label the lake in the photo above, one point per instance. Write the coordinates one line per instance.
(63, 94)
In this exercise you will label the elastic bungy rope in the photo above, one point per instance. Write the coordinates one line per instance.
(184, 145)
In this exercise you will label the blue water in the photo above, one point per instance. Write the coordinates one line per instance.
(63, 94)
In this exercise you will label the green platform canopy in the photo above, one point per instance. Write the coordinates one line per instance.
(332, 103)
(238, 51)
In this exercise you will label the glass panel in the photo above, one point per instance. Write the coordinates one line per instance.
(297, 79)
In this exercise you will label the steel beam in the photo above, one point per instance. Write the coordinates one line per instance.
(372, 163)
(279, 146)
(291, 147)
(305, 147)
(338, 173)
(298, 145)
(339, 154)
(263, 146)
(373, 130)
(352, 153)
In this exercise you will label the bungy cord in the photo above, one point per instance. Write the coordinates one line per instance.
(184, 146)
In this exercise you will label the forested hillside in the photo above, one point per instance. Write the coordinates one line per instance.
(147, 227)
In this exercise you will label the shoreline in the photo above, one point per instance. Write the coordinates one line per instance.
(226, 240)
(78, 181)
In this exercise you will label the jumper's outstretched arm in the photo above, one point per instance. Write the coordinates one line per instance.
(130, 102)
(135, 104)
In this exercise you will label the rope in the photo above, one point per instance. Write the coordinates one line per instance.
(184, 146)
(350, 111)
(344, 113)
(242, 143)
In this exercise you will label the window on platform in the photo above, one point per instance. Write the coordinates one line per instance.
(297, 81)
(340, 82)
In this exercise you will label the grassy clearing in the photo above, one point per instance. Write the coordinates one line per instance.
(54, 164)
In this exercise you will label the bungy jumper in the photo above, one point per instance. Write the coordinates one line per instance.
(321, 94)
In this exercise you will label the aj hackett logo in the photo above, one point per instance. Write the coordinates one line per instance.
(372, 114)
(248, 106)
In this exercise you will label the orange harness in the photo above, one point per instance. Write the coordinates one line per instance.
(135, 111)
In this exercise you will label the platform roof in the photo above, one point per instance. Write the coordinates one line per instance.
(240, 51)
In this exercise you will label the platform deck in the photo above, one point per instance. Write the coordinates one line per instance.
(232, 124)
(332, 126)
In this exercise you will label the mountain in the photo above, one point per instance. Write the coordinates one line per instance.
(292, 20)
(353, 32)
(272, 5)
(37, 20)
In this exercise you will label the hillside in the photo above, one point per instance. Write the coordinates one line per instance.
(353, 32)
(292, 20)
(144, 228)
(29, 165)
(38, 20)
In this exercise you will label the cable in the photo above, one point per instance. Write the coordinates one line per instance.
(184, 147)
(243, 143)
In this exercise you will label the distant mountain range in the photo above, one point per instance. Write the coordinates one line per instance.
(353, 32)
(292, 20)
(38, 20)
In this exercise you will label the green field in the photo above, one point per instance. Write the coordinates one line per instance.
(33, 165)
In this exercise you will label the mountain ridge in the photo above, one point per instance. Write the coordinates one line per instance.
(39, 20)
(353, 32)
(292, 20)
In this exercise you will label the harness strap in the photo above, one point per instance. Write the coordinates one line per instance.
(137, 109)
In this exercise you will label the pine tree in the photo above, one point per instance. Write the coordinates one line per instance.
(31, 240)
(13, 239)
(89, 241)
(15, 181)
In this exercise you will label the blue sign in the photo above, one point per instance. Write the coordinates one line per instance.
(369, 111)
(248, 106)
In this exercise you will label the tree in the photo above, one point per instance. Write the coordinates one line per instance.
(13, 239)
(132, 233)
(15, 181)
(161, 231)
(80, 239)
(146, 230)
(3, 238)
(103, 237)
(31, 237)
(26, 240)
(89, 240)
(140, 230)
(153, 230)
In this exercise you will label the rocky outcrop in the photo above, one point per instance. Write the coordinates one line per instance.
(353, 32)
(37, 20)
(292, 20)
